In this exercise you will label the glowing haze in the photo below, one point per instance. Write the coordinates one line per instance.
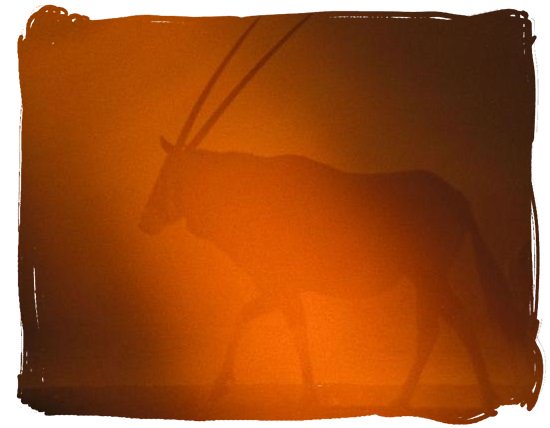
(344, 97)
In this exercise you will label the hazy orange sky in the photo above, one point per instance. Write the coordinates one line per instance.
(361, 95)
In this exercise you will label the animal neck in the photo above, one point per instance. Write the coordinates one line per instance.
(205, 181)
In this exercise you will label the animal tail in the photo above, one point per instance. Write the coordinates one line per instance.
(517, 323)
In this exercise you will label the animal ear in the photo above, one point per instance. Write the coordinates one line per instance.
(166, 146)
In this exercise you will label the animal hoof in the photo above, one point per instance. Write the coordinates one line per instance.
(310, 398)
(221, 386)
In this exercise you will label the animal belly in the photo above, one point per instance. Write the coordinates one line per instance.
(329, 255)
(350, 285)
(329, 267)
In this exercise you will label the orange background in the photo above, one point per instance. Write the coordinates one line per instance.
(119, 307)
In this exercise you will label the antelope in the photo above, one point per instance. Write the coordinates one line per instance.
(295, 225)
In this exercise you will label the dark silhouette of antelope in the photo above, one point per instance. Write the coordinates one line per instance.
(297, 225)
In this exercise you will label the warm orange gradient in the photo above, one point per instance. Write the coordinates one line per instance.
(281, 200)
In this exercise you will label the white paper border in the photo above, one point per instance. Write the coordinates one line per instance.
(14, 20)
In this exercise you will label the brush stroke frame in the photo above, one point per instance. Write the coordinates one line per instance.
(340, 6)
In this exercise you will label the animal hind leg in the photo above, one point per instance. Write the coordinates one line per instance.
(294, 313)
(427, 322)
(454, 312)
(252, 310)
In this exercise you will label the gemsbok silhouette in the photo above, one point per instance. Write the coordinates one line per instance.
(296, 225)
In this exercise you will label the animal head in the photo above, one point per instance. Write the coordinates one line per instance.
(164, 204)
(162, 207)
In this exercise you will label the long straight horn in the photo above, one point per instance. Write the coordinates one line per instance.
(240, 86)
(208, 88)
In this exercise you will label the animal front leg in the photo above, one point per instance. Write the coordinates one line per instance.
(294, 313)
(455, 314)
(252, 310)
